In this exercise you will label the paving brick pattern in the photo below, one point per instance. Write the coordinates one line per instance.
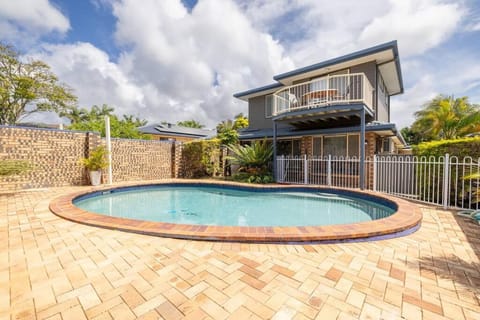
(51, 268)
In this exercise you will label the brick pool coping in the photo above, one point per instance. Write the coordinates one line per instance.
(407, 217)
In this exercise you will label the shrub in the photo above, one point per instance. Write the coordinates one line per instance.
(14, 167)
(460, 148)
(254, 161)
(253, 178)
(201, 158)
(97, 159)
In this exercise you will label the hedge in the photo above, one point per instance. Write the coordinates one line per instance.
(202, 158)
(460, 148)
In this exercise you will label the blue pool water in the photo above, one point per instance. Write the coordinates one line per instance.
(207, 205)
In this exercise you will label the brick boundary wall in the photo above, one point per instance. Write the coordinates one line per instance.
(55, 156)
(134, 160)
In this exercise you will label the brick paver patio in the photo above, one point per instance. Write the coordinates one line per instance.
(52, 268)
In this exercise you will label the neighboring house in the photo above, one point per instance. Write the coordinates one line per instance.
(172, 132)
(339, 107)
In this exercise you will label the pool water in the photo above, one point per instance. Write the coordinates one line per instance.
(205, 205)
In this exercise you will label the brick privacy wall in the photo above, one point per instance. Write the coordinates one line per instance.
(141, 160)
(55, 155)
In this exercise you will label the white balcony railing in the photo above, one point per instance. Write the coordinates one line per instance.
(338, 89)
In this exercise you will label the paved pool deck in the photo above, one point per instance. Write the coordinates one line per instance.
(52, 268)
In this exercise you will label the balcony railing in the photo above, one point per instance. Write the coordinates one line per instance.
(329, 90)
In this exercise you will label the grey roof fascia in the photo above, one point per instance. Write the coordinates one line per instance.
(351, 56)
(287, 132)
(258, 90)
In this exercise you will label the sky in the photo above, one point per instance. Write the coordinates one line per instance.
(174, 60)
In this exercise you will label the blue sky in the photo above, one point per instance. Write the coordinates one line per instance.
(175, 60)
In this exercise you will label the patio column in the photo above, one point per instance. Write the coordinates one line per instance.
(362, 149)
(274, 151)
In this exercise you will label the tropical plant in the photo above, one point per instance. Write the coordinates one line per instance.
(227, 130)
(29, 87)
(97, 160)
(254, 160)
(190, 124)
(94, 120)
(14, 167)
(446, 118)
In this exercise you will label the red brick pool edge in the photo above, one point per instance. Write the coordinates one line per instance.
(407, 217)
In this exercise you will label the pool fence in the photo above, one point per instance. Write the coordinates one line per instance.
(447, 181)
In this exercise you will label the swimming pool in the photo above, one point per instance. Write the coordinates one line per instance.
(405, 219)
(232, 206)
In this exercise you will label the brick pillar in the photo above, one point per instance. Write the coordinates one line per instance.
(370, 137)
(306, 145)
(177, 160)
(92, 140)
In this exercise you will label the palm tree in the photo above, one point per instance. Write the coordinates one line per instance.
(447, 118)
(190, 124)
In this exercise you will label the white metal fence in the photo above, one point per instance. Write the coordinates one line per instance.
(447, 181)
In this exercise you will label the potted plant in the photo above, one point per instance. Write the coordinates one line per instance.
(95, 163)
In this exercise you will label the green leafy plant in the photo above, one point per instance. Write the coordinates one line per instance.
(14, 167)
(462, 147)
(253, 160)
(201, 158)
(97, 159)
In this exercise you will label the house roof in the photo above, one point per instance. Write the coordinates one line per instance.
(270, 88)
(385, 55)
(383, 129)
(174, 130)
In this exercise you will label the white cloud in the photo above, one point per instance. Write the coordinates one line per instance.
(192, 63)
(405, 105)
(26, 20)
(94, 77)
(177, 65)
(417, 24)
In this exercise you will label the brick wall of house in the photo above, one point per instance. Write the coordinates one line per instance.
(55, 156)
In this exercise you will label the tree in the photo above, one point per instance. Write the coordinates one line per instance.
(411, 136)
(445, 117)
(190, 124)
(227, 130)
(29, 87)
(94, 120)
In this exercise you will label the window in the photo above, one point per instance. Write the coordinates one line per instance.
(353, 146)
(386, 145)
(269, 106)
(288, 147)
(317, 146)
(337, 146)
(382, 90)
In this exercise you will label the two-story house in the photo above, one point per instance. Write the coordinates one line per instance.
(339, 107)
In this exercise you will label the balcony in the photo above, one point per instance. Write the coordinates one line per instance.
(353, 88)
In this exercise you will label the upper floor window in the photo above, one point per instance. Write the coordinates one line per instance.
(382, 90)
(269, 106)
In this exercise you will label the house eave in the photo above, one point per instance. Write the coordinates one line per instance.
(381, 54)
(245, 95)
